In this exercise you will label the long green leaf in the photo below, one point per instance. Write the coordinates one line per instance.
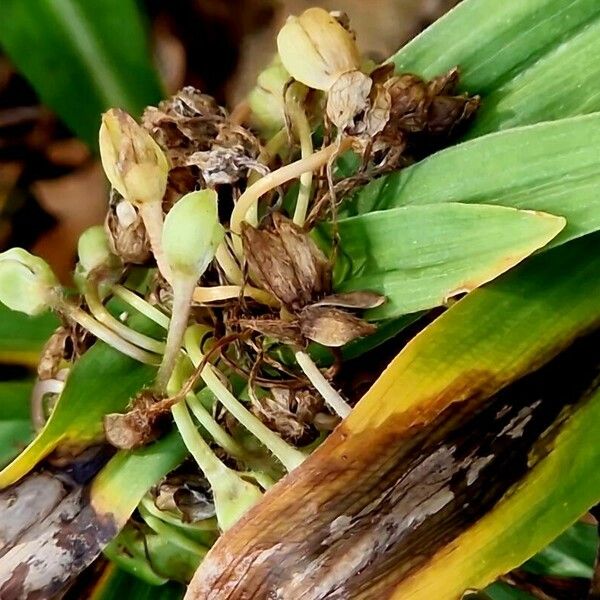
(419, 256)
(532, 60)
(102, 381)
(550, 167)
(15, 422)
(116, 584)
(81, 57)
(22, 337)
(388, 502)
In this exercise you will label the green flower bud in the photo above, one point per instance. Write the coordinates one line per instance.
(316, 50)
(133, 162)
(192, 233)
(94, 251)
(27, 284)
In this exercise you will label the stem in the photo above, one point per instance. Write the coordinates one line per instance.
(143, 307)
(100, 312)
(240, 113)
(230, 267)
(183, 290)
(170, 533)
(232, 495)
(152, 215)
(279, 177)
(218, 434)
(225, 292)
(288, 455)
(331, 397)
(102, 332)
(302, 127)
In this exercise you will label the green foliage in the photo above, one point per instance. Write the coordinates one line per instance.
(81, 57)
(15, 422)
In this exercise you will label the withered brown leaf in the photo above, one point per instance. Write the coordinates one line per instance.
(285, 331)
(284, 260)
(356, 300)
(331, 326)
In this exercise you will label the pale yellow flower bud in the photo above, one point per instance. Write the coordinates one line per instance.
(27, 284)
(133, 162)
(316, 50)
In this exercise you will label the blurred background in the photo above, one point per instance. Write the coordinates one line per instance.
(62, 62)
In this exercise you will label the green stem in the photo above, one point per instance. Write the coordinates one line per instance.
(183, 290)
(331, 397)
(143, 307)
(218, 434)
(288, 455)
(152, 216)
(302, 127)
(102, 332)
(170, 533)
(232, 495)
(100, 312)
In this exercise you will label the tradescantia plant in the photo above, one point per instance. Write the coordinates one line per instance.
(196, 412)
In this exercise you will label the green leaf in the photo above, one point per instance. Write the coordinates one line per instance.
(15, 421)
(532, 60)
(502, 591)
(22, 337)
(81, 57)
(572, 554)
(116, 584)
(550, 167)
(483, 356)
(102, 381)
(419, 256)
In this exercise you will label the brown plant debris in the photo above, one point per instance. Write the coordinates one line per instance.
(186, 493)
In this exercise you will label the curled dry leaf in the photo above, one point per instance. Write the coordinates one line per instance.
(348, 97)
(68, 342)
(187, 494)
(285, 261)
(285, 331)
(137, 427)
(290, 412)
(356, 300)
(332, 327)
(126, 233)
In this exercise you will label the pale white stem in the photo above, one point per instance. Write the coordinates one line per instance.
(302, 127)
(101, 313)
(331, 397)
(230, 267)
(152, 216)
(225, 292)
(143, 307)
(183, 290)
(288, 455)
(102, 332)
(279, 177)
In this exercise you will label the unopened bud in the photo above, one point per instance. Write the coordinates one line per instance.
(316, 50)
(93, 249)
(192, 232)
(133, 162)
(266, 99)
(27, 284)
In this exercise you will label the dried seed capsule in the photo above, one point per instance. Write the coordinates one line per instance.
(133, 162)
(27, 284)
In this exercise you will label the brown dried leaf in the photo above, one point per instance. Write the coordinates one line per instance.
(285, 261)
(347, 98)
(284, 331)
(126, 233)
(289, 412)
(187, 494)
(357, 300)
(55, 350)
(331, 326)
(140, 426)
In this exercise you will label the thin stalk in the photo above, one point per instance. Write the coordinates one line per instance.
(331, 397)
(279, 177)
(218, 434)
(302, 127)
(102, 332)
(183, 290)
(289, 456)
(170, 533)
(233, 496)
(152, 216)
(100, 312)
(226, 292)
(228, 264)
(143, 307)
